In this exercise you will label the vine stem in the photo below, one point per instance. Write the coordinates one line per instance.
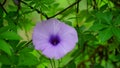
(66, 8)
(3, 8)
(51, 63)
(38, 11)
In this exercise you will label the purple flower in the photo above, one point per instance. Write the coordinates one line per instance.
(54, 38)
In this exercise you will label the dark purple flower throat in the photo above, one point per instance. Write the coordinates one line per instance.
(54, 40)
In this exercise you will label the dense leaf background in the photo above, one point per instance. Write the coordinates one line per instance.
(97, 23)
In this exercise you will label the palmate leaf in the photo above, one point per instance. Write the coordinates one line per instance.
(71, 65)
(117, 20)
(4, 46)
(44, 62)
(105, 35)
(98, 66)
(97, 26)
(116, 32)
(102, 8)
(1, 12)
(42, 4)
(104, 17)
(9, 35)
(5, 28)
(27, 59)
(4, 59)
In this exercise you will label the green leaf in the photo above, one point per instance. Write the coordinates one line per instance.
(89, 37)
(118, 57)
(116, 32)
(98, 66)
(0, 64)
(44, 62)
(3, 29)
(89, 18)
(105, 34)
(9, 35)
(97, 26)
(4, 46)
(6, 66)
(11, 22)
(103, 7)
(1, 12)
(105, 17)
(26, 50)
(5, 60)
(27, 0)
(71, 65)
(117, 20)
(12, 14)
(68, 22)
(1, 22)
(27, 59)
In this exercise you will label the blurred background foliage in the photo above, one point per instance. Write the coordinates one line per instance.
(96, 21)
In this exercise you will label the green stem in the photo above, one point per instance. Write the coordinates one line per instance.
(51, 63)
(59, 61)
(54, 64)
(65, 9)
(38, 11)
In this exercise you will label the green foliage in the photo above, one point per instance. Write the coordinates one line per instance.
(9, 35)
(105, 35)
(5, 60)
(116, 32)
(97, 25)
(27, 59)
(98, 66)
(5, 47)
(71, 65)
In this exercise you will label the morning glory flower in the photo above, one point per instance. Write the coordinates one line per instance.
(54, 38)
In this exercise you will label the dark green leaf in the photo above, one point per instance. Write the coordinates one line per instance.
(26, 50)
(44, 62)
(89, 19)
(12, 14)
(27, 0)
(118, 57)
(1, 12)
(5, 66)
(89, 37)
(1, 22)
(5, 28)
(27, 59)
(98, 66)
(4, 59)
(9, 35)
(5, 47)
(103, 7)
(116, 32)
(68, 22)
(105, 34)
(97, 26)
(105, 17)
(71, 65)
(117, 20)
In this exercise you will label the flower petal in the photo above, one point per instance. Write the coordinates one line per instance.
(49, 52)
(43, 32)
(67, 32)
(54, 52)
